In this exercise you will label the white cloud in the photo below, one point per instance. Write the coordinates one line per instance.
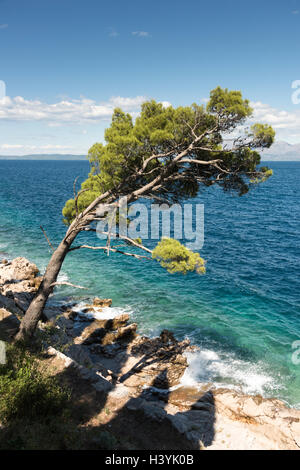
(285, 123)
(141, 34)
(295, 12)
(65, 111)
(166, 104)
(72, 120)
(85, 112)
(113, 33)
(127, 103)
(3, 26)
(20, 149)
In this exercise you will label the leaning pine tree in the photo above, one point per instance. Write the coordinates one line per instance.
(165, 155)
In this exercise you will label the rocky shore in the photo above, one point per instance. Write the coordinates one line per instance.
(132, 383)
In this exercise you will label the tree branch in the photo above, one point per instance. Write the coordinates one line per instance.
(50, 244)
(128, 240)
(203, 162)
(105, 248)
(67, 284)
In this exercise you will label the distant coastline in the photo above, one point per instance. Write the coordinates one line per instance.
(279, 152)
(69, 157)
(45, 157)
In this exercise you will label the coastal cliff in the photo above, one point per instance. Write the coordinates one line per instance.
(132, 384)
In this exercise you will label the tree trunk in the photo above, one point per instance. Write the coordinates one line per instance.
(36, 307)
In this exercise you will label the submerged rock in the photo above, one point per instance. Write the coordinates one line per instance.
(102, 302)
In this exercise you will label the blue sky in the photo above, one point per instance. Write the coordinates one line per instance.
(67, 63)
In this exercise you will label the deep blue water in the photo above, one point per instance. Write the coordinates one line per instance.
(244, 313)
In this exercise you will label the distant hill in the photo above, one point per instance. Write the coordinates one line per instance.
(282, 151)
(44, 157)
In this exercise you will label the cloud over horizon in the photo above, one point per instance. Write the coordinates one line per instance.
(285, 123)
(67, 110)
(73, 120)
(34, 148)
(67, 115)
(141, 34)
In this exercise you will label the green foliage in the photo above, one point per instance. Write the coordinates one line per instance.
(36, 413)
(118, 165)
(54, 434)
(176, 258)
(230, 105)
(263, 135)
(26, 391)
(114, 165)
(265, 174)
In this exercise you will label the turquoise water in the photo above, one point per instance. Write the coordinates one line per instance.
(244, 313)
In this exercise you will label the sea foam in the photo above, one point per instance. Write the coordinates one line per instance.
(225, 370)
(98, 313)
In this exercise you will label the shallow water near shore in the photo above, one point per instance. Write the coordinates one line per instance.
(244, 313)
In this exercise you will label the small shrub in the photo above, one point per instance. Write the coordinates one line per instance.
(36, 413)
(176, 258)
(26, 391)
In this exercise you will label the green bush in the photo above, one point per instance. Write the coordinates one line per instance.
(26, 391)
(176, 258)
(37, 413)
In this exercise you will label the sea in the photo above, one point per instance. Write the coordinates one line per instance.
(243, 314)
